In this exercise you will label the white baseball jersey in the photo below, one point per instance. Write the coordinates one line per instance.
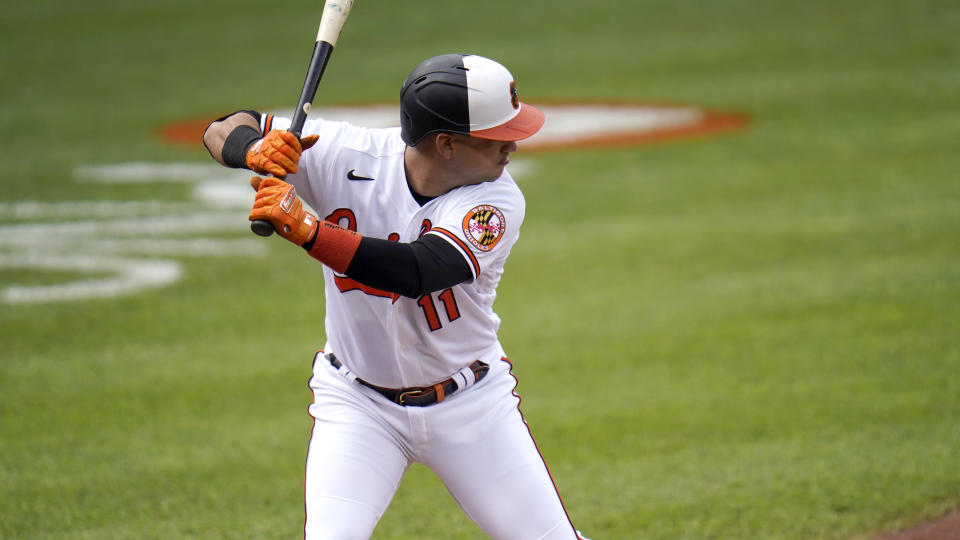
(355, 177)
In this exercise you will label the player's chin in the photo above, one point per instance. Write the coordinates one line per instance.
(493, 172)
(494, 175)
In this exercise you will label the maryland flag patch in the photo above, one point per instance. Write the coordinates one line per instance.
(484, 226)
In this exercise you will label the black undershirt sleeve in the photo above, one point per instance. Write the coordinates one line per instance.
(426, 265)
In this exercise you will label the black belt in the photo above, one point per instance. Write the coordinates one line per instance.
(419, 396)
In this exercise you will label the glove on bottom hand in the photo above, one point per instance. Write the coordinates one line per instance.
(277, 202)
(278, 153)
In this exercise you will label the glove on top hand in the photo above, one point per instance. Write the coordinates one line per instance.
(277, 202)
(278, 153)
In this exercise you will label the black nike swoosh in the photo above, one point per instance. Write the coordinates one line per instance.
(352, 176)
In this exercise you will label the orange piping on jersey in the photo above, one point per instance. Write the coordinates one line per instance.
(345, 284)
(463, 247)
(267, 124)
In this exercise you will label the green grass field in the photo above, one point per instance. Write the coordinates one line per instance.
(750, 335)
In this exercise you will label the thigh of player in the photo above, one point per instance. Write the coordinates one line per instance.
(500, 479)
(354, 464)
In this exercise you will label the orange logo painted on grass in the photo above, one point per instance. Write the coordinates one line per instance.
(568, 125)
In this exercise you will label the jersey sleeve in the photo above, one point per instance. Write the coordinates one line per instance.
(483, 223)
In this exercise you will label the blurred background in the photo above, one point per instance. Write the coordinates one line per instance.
(746, 333)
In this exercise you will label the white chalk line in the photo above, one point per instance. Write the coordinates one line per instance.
(136, 243)
(127, 276)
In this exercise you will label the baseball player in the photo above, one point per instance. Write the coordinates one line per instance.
(415, 225)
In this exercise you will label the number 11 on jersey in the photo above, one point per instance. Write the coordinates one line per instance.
(429, 308)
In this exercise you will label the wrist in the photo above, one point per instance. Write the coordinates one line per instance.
(311, 234)
(333, 245)
(237, 144)
(300, 230)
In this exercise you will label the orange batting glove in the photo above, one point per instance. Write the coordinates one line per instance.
(277, 202)
(278, 153)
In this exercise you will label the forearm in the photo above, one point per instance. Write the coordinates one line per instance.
(388, 266)
(228, 138)
(409, 269)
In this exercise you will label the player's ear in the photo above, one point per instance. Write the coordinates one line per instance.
(443, 144)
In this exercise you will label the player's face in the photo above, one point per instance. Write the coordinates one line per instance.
(482, 160)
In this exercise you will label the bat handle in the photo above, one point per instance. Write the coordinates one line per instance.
(318, 63)
(261, 227)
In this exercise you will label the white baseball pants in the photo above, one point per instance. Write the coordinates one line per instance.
(476, 441)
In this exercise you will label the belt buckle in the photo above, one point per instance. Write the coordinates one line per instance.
(403, 395)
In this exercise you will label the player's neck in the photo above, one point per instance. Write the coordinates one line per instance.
(424, 176)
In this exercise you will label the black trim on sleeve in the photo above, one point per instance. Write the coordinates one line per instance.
(253, 114)
(429, 264)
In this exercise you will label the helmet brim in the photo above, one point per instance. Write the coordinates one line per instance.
(527, 122)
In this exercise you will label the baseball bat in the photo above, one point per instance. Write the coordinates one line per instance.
(335, 14)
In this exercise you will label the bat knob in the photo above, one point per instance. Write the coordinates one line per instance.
(261, 227)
